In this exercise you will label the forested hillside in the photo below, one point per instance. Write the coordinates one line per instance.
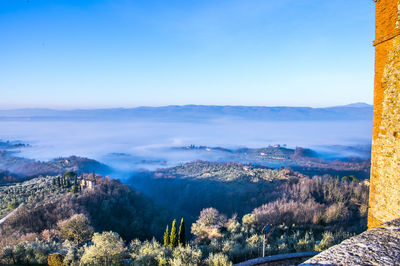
(14, 168)
(84, 225)
(110, 205)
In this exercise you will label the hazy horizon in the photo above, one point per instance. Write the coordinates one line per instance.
(364, 104)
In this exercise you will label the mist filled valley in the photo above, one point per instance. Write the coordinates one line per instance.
(225, 172)
(131, 139)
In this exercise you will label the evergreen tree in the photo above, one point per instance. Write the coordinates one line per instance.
(182, 234)
(59, 181)
(79, 184)
(166, 237)
(173, 238)
(53, 182)
(75, 188)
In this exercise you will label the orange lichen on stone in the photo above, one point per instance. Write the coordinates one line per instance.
(384, 200)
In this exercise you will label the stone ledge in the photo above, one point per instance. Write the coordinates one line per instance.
(280, 258)
(378, 246)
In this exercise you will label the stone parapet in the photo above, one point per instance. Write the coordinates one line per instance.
(378, 246)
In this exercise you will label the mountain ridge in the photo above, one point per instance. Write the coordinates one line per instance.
(356, 111)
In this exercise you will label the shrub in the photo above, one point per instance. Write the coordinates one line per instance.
(35, 252)
(209, 225)
(335, 212)
(107, 249)
(55, 259)
(50, 235)
(12, 205)
(77, 228)
(249, 223)
(7, 255)
(218, 259)
(289, 212)
(233, 226)
(305, 244)
(149, 253)
(186, 255)
(73, 255)
(327, 241)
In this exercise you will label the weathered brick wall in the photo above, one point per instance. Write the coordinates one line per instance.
(384, 200)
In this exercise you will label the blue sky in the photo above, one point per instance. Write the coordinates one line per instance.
(126, 53)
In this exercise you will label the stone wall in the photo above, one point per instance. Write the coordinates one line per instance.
(384, 203)
(378, 246)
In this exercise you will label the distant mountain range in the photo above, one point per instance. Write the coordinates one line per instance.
(355, 111)
(357, 105)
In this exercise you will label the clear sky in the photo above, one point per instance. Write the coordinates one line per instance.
(127, 53)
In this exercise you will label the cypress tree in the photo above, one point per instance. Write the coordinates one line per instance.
(182, 234)
(75, 188)
(173, 238)
(166, 237)
(79, 186)
(59, 181)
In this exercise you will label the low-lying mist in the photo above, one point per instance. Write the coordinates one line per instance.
(129, 145)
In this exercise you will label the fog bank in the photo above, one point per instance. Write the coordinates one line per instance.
(133, 144)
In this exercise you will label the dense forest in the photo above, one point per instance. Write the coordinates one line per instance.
(232, 188)
(110, 206)
(224, 207)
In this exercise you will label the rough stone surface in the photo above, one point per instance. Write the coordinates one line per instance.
(384, 202)
(280, 259)
(378, 246)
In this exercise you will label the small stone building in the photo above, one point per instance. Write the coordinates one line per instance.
(88, 182)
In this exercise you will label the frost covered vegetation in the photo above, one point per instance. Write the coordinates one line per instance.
(234, 188)
(225, 172)
(111, 223)
(110, 205)
(229, 187)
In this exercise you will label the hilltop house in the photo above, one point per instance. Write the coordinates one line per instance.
(88, 182)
